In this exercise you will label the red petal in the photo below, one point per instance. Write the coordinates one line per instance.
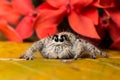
(81, 2)
(48, 22)
(25, 27)
(115, 15)
(44, 5)
(116, 45)
(23, 6)
(3, 1)
(117, 3)
(104, 3)
(82, 25)
(9, 32)
(8, 13)
(114, 28)
(114, 31)
(58, 3)
(92, 13)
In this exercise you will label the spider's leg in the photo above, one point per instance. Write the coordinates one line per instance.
(93, 50)
(77, 49)
(28, 54)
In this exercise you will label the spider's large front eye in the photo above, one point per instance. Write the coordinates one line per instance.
(63, 37)
(55, 38)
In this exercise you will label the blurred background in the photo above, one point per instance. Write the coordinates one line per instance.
(98, 21)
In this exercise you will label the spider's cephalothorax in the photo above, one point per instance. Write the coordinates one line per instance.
(58, 46)
(64, 45)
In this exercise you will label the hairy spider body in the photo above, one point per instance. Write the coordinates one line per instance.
(64, 45)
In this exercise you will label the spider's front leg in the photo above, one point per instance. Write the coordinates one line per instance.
(29, 53)
(77, 49)
(93, 50)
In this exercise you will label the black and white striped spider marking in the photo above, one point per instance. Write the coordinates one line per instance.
(64, 45)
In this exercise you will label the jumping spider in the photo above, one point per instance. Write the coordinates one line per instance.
(64, 45)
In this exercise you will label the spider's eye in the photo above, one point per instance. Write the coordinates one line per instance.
(63, 37)
(55, 38)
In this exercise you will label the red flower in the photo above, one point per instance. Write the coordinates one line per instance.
(112, 17)
(8, 15)
(80, 15)
(49, 14)
(25, 27)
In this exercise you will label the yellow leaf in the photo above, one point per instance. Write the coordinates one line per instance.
(51, 69)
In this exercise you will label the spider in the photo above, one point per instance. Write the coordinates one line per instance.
(64, 45)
